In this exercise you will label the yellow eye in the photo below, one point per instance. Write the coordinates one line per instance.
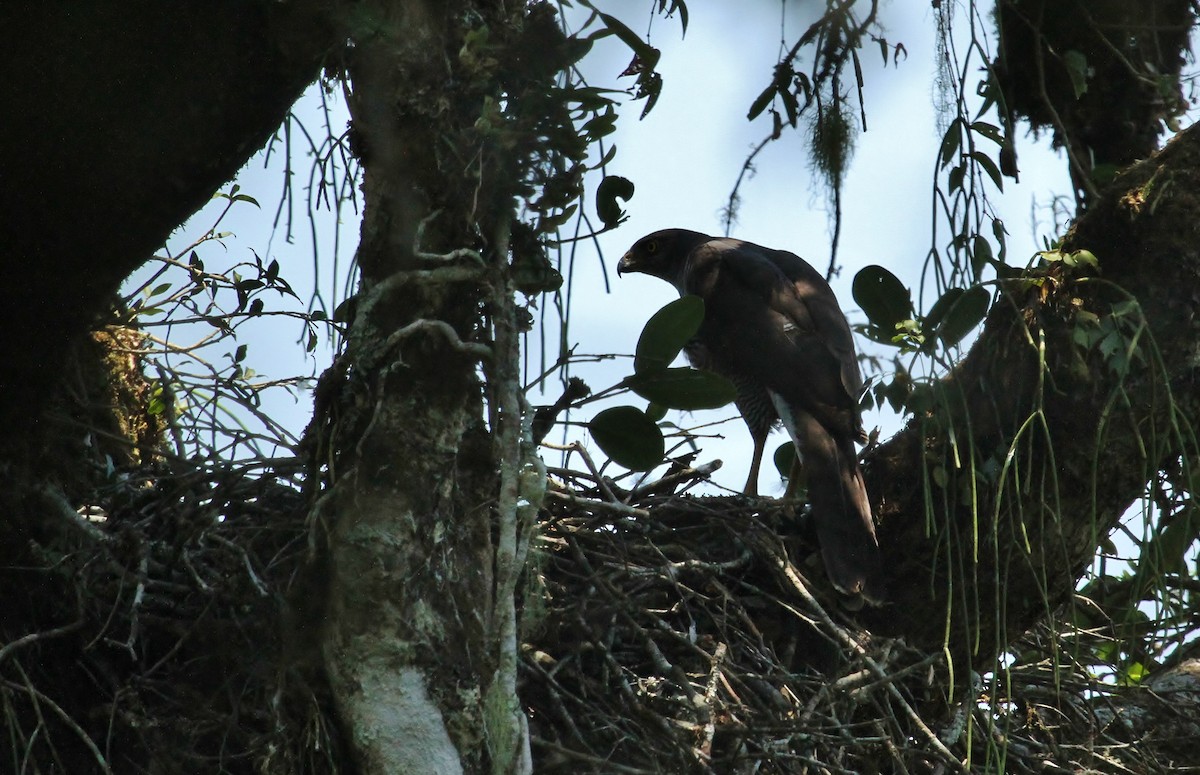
(652, 246)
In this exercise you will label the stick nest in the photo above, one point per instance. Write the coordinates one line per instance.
(151, 632)
(678, 634)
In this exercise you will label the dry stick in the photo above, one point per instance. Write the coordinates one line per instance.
(605, 764)
(694, 473)
(34, 637)
(591, 505)
(39, 699)
(556, 692)
(710, 698)
(797, 583)
(259, 586)
(601, 481)
(68, 515)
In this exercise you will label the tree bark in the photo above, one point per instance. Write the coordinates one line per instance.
(994, 499)
(419, 640)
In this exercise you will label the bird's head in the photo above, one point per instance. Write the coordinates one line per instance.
(663, 254)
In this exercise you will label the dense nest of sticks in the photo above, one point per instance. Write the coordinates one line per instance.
(147, 628)
(693, 634)
(142, 628)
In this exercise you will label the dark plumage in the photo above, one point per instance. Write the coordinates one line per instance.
(773, 327)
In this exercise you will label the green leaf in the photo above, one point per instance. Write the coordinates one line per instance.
(981, 255)
(989, 167)
(1167, 552)
(344, 312)
(612, 188)
(998, 232)
(676, 5)
(649, 86)
(954, 180)
(990, 131)
(647, 54)
(629, 437)
(682, 388)
(964, 314)
(1085, 259)
(666, 332)
(158, 401)
(601, 125)
(951, 141)
(1077, 70)
(784, 457)
(940, 307)
(882, 297)
(1133, 673)
(791, 106)
(761, 102)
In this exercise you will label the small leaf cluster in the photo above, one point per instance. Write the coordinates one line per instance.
(547, 119)
(959, 146)
(887, 303)
(207, 386)
(631, 436)
(1115, 336)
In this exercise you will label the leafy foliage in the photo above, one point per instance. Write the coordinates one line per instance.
(627, 434)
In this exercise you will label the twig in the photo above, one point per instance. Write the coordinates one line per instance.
(68, 515)
(601, 482)
(41, 699)
(613, 507)
(259, 586)
(710, 699)
(690, 474)
(604, 765)
(34, 637)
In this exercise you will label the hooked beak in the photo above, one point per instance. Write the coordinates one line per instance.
(626, 264)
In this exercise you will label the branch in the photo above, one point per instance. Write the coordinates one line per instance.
(480, 351)
(991, 502)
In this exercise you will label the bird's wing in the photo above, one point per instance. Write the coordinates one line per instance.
(809, 298)
(770, 315)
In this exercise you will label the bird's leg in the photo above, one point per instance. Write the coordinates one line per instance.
(795, 478)
(760, 444)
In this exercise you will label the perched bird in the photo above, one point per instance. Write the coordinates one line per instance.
(773, 327)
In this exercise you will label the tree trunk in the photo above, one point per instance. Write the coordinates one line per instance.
(419, 641)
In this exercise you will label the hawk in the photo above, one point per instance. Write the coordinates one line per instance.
(772, 326)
